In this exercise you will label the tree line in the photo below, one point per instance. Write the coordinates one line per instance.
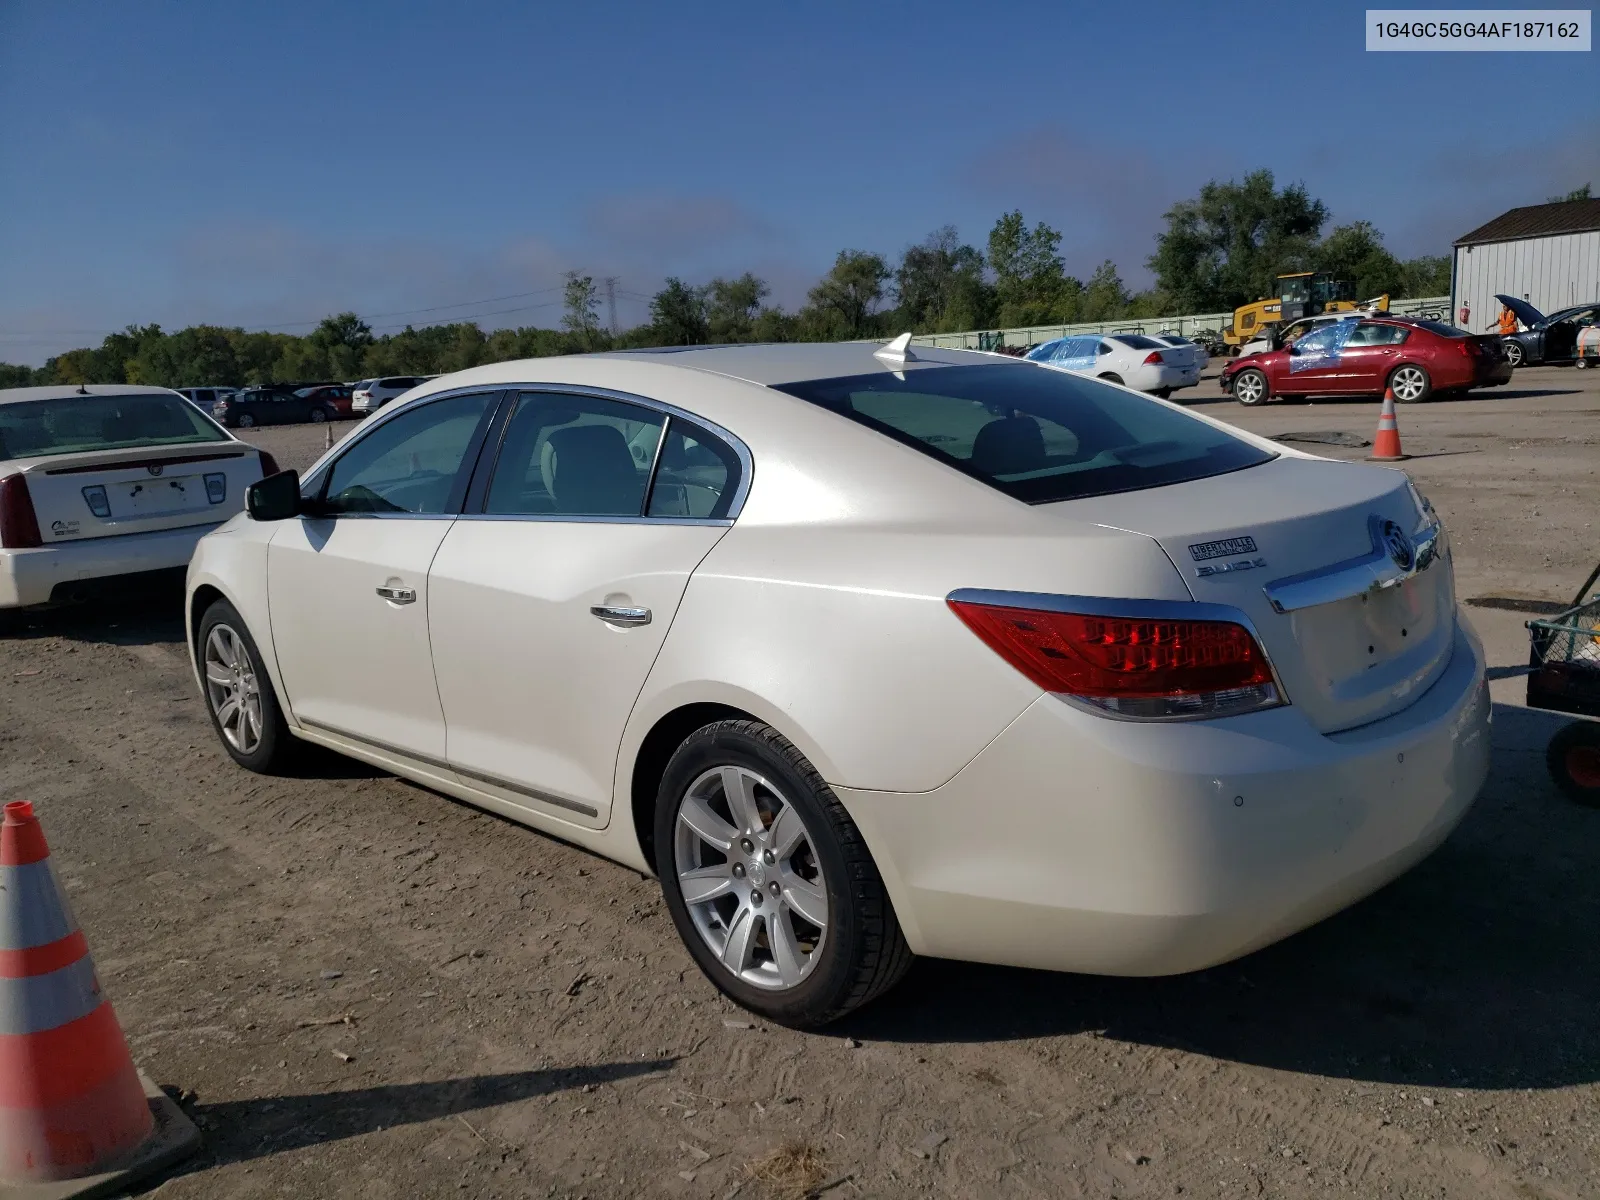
(1218, 250)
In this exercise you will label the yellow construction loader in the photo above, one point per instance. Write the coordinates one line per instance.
(1300, 294)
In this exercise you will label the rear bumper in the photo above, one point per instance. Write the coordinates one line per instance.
(1078, 843)
(30, 577)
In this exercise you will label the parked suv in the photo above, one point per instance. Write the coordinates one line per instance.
(373, 394)
(204, 398)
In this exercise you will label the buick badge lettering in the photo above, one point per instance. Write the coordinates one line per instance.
(1227, 568)
(1394, 540)
(1226, 548)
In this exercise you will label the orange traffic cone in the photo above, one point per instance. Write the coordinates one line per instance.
(75, 1116)
(1386, 446)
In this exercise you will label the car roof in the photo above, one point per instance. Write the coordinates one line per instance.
(68, 391)
(793, 362)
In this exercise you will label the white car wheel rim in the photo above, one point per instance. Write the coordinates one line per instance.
(1407, 384)
(1248, 389)
(232, 689)
(750, 878)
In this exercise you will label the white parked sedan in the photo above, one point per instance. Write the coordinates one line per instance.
(101, 482)
(869, 653)
(1141, 363)
(1192, 353)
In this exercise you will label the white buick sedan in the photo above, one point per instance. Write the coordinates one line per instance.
(869, 653)
(101, 482)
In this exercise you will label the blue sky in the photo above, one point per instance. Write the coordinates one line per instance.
(264, 164)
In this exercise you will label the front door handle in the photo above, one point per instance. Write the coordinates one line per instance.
(398, 595)
(613, 615)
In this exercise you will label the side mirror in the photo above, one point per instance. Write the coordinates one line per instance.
(275, 498)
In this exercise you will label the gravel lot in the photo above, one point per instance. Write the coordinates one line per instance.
(374, 991)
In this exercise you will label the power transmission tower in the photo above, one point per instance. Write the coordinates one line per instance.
(611, 300)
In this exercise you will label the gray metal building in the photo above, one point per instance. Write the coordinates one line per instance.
(1547, 254)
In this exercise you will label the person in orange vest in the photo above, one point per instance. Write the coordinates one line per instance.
(1508, 321)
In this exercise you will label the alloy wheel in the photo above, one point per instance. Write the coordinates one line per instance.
(1248, 388)
(1513, 352)
(246, 420)
(751, 878)
(232, 689)
(1409, 383)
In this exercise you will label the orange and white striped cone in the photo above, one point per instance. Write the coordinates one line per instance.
(1386, 446)
(75, 1115)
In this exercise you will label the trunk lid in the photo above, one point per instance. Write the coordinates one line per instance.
(1304, 548)
(106, 493)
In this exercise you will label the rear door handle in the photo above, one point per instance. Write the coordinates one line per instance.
(398, 595)
(613, 615)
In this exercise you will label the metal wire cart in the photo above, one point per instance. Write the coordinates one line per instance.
(1565, 678)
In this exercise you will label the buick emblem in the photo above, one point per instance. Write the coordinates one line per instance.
(1394, 540)
(154, 468)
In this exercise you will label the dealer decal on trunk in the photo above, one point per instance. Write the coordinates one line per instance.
(1223, 548)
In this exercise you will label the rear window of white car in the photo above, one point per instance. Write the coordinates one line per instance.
(1036, 433)
(1136, 341)
(33, 428)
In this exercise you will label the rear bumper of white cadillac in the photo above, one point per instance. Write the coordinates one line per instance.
(31, 576)
(1078, 843)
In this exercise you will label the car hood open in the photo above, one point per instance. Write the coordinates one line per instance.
(1523, 311)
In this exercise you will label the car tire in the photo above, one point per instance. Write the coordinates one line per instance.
(1163, 393)
(1514, 353)
(245, 421)
(1410, 383)
(806, 870)
(318, 416)
(1574, 762)
(230, 664)
(1111, 377)
(1250, 387)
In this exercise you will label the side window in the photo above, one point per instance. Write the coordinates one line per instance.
(696, 475)
(574, 455)
(1368, 335)
(409, 464)
(1107, 348)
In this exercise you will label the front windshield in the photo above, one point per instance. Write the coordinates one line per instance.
(1296, 291)
(72, 424)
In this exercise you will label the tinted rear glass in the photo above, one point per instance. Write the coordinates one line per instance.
(1033, 432)
(1449, 331)
(77, 423)
(1137, 341)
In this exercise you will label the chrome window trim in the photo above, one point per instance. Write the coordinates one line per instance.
(1138, 610)
(445, 765)
(1370, 572)
(583, 519)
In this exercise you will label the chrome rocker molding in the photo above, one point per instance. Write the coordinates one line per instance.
(466, 773)
(1354, 577)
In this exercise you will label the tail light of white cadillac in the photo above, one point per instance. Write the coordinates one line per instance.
(869, 653)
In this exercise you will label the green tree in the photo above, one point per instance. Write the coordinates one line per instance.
(1427, 275)
(844, 301)
(1581, 193)
(14, 375)
(581, 304)
(734, 306)
(1105, 296)
(1030, 285)
(1227, 246)
(678, 315)
(1356, 253)
(940, 285)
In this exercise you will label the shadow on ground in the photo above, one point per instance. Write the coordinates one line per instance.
(241, 1130)
(1480, 968)
(138, 614)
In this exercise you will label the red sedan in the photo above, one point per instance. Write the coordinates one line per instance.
(1416, 358)
(335, 396)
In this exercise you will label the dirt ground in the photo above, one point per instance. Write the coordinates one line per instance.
(373, 991)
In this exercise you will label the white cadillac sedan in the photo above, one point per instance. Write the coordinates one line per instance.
(101, 482)
(869, 652)
(1140, 362)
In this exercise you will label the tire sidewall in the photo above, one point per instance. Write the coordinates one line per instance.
(274, 735)
(824, 989)
(318, 416)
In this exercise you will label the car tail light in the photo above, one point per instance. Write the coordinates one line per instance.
(1135, 667)
(1469, 348)
(269, 465)
(1154, 359)
(19, 524)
